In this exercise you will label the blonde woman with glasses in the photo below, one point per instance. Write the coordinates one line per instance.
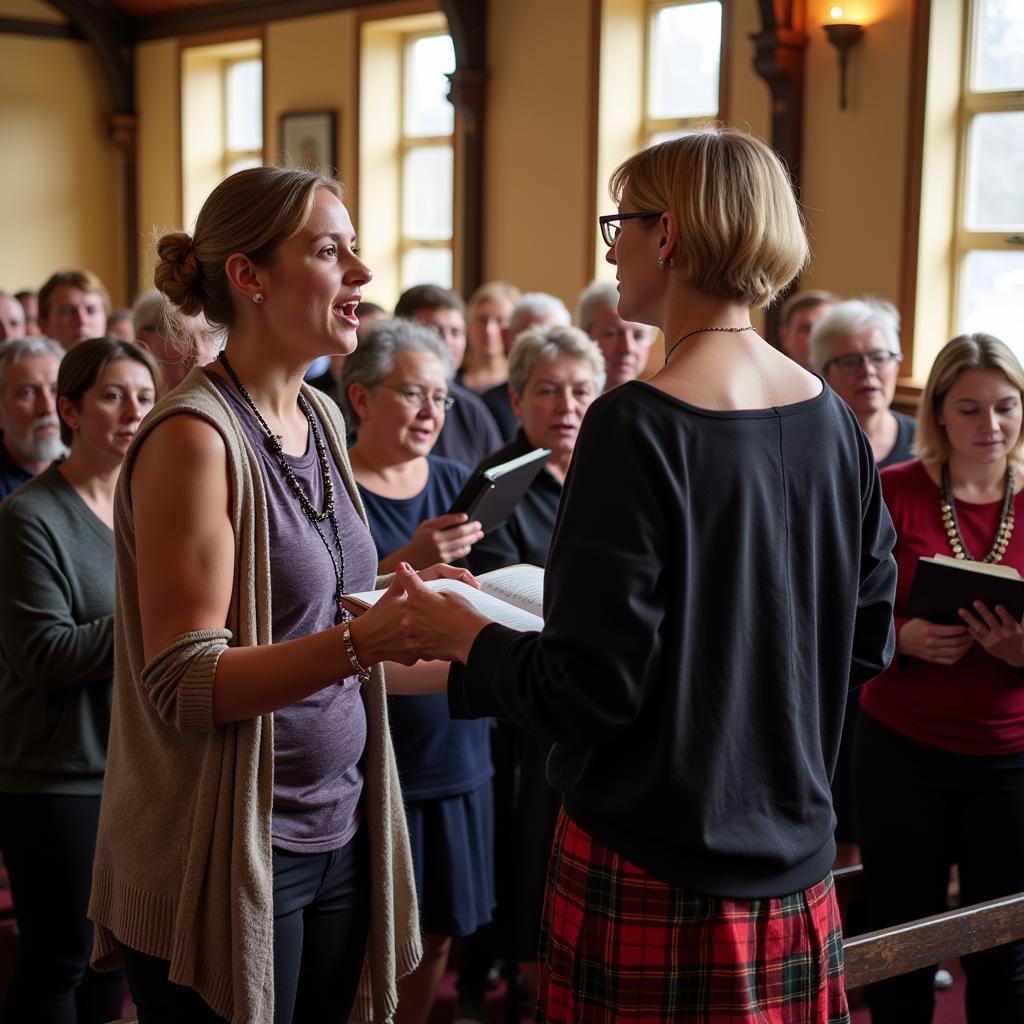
(695, 657)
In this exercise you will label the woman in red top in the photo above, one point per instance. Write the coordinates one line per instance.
(939, 761)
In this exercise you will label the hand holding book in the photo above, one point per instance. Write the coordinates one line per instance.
(954, 603)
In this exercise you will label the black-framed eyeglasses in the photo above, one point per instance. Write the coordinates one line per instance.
(416, 398)
(853, 361)
(611, 228)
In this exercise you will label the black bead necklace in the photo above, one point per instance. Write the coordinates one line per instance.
(327, 514)
(1004, 530)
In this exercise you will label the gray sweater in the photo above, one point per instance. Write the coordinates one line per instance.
(56, 640)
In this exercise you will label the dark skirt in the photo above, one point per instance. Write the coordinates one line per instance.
(452, 841)
(620, 946)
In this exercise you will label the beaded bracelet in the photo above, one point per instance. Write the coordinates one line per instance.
(363, 674)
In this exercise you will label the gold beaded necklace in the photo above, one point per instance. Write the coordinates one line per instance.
(1004, 531)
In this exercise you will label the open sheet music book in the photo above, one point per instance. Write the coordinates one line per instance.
(513, 596)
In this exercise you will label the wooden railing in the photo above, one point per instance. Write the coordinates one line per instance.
(902, 948)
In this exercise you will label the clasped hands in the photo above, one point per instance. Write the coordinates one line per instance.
(413, 623)
(996, 631)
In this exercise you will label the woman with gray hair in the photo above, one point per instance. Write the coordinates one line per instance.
(394, 387)
(856, 348)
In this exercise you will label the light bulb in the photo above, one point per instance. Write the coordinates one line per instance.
(836, 13)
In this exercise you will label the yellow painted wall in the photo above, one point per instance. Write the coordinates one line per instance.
(309, 64)
(61, 180)
(537, 205)
(854, 161)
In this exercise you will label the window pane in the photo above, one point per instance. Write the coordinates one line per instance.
(998, 58)
(244, 89)
(685, 44)
(428, 187)
(427, 110)
(995, 171)
(427, 266)
(992, 296)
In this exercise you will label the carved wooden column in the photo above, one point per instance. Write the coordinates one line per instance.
(779, 60)
(124, 132)
(467, 22)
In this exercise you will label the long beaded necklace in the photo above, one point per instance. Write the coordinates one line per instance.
(956, 540)
(705, 330)
(314, 516)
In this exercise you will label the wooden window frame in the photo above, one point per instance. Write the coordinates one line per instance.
(408, 143)
(973, 103)
(651, 126)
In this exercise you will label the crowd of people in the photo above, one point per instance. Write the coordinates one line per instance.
(220, 787)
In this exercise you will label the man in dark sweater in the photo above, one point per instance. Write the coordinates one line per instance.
(30, 438)
(469, 433)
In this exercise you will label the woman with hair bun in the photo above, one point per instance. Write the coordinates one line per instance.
(252, 863)
(720, 572)
(939, 749)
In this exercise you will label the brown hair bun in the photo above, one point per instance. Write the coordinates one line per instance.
(177, 274)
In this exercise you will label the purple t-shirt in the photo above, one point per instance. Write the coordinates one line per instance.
(318, 741)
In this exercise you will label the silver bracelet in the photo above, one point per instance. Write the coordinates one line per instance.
(363, 674)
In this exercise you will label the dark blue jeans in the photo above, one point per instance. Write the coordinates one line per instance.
(321, 920)
(922, 809)
(48, 843)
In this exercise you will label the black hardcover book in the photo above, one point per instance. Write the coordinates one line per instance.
(942, 585)
(490, 495)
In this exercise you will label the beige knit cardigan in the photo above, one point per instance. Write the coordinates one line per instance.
(183, 858)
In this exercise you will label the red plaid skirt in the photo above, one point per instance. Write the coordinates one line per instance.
(619, 946)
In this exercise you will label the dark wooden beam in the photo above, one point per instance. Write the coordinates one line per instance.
(108, 30)
(779, 50)
(213, 17)
(920, 33)
(39, 29)
(467, 23)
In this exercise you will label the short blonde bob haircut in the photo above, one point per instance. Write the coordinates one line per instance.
(741, 236)
(965, 352)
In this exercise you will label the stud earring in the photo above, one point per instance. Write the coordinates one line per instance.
(258, 298)
(661, 263)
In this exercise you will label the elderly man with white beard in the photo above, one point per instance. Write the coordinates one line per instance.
(28, 410)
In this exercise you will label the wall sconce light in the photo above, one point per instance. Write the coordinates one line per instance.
(843, 35)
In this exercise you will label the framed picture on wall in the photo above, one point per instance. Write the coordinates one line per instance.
(308, 139)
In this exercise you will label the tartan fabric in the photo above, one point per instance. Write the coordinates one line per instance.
(620, 946)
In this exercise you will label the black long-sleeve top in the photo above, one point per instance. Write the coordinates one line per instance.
(716, 582)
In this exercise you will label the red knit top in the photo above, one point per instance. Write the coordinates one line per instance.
(977, 705)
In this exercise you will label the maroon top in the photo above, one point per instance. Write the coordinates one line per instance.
(977, 705)
(318, 741)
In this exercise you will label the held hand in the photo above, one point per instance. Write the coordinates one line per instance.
(437, 624)
(449, 572)
(377, 631)
(445, 538)
(942, 645)
(997, 632)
